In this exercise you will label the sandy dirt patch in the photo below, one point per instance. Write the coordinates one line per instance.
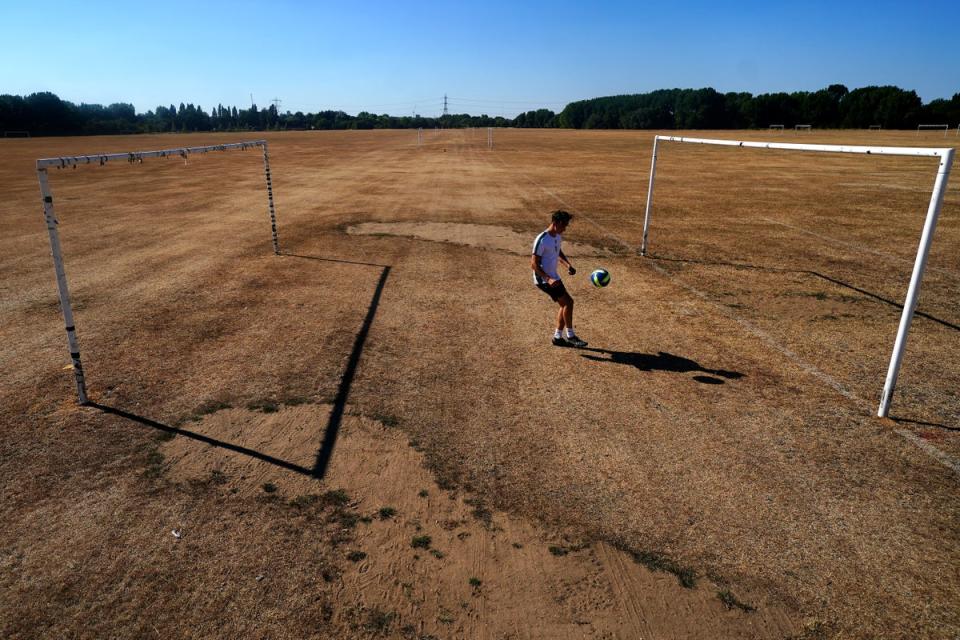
(476, 573)
(472, 235)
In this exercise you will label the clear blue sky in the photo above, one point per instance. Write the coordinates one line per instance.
(493, 57)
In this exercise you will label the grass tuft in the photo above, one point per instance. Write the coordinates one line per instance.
(731, 602)
(385, 513)
(264, 406)
(356, 556)
(421, 542)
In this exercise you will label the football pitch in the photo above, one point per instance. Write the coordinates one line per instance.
(373, 431)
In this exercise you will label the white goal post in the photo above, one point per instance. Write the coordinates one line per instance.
(803, 127)
(936, 127)
(933, 213)
(776, 127)
(102, 159)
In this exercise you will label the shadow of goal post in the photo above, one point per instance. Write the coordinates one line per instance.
(132, 157)
(945, 156)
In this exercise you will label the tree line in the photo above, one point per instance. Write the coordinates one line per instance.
(46, 114)
(834, 107)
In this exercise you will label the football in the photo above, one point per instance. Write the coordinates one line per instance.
(600, 278)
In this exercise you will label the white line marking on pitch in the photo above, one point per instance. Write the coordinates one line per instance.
(924, 446)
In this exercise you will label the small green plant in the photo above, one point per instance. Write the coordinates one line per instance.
(302, 502)
(356, 556)
(385, 513)
(386, 419)
(436, 553)
(269, 487)
(480, 511)
(517, 545)
(336, 497)
(558, 550)
(659, 562)
(218, 477)
(475, 582)
(154, 465)
(423, 493)
(265, 406)
(730, 601)
(379, 621)
(208, 407)
(421, 542)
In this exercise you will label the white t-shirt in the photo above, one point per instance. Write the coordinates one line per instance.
(548, 248)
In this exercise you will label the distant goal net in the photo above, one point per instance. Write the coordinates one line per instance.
(933, 127)
(135, 157)
(945, 156)
(16, 134)
(803, 128)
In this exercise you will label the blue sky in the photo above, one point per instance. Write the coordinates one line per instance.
(495, 57)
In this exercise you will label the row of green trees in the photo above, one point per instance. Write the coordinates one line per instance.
(46, 114)
(833, 107)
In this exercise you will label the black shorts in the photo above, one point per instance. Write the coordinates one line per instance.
(555, 292)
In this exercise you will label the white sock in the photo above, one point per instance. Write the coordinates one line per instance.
(570, 333)
(557, 334)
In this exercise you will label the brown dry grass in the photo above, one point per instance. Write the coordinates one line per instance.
(778, 486)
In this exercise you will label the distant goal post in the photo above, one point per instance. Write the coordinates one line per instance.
(945, 156)
(137, 157)
(16, 134)
(808, 128)
(776, 127)
(933, 127)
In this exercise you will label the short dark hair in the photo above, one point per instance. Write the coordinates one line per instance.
(561, 217)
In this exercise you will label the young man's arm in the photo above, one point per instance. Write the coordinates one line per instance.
(538, 269)
(564, 260)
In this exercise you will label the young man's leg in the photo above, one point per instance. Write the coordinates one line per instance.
(566, 310)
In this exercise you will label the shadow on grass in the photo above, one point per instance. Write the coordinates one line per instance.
(663, 362)
(346, 380)
(816, 274)
(336, 413)
(201, 438)
(921, 423)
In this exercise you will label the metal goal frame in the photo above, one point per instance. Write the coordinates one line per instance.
(945, 156)
(101, 159)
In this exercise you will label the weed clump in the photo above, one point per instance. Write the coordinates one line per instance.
(421, 542)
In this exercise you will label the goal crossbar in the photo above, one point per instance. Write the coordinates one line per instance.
(101, 159)
(926, 237)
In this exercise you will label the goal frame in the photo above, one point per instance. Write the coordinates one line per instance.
(50, 218)
(945, 156)
(933, 127)
(797, 128)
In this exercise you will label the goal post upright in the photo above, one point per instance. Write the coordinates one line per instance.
(51, 221)
(913, 291)
(945, 156)
(273, 212)
(63, 291)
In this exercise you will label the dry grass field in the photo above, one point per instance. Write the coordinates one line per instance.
(372, 436)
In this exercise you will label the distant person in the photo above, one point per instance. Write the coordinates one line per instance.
(544, 261)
